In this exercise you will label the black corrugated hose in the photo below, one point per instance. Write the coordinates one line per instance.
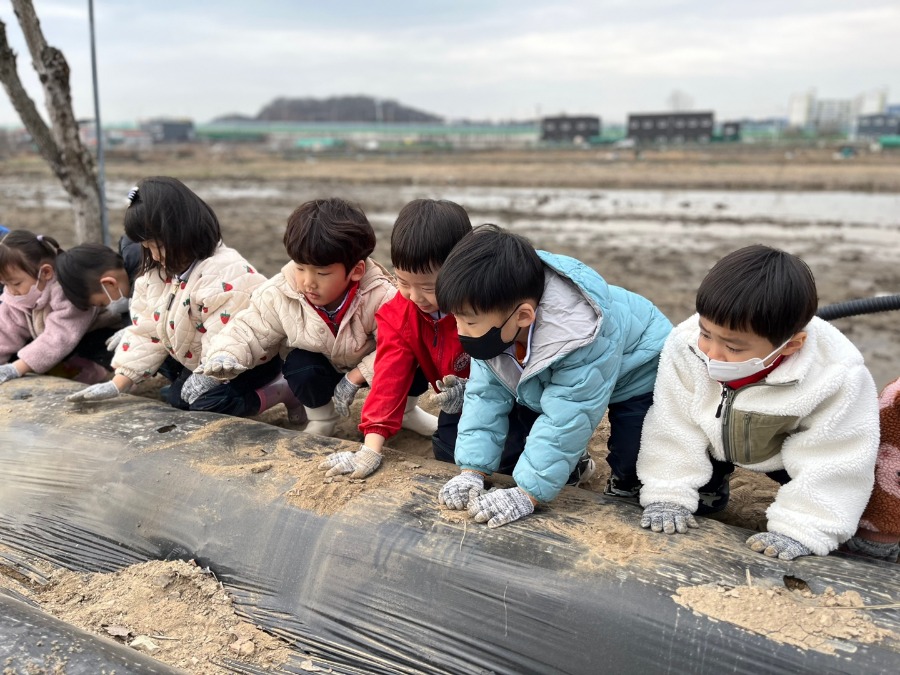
(839, 310)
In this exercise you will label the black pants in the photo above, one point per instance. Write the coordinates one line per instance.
(237, 397)
(312, 378)
(521, 419)
(93, 347)
(714, 495)
(626, 419)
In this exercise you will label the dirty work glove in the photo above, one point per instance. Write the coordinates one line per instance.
(667, 517)
(499, 507)
(358, 464)
(460, 490)
(452, 389)
(344, 393)
(886, 550)
(113, 341)
(197, 385)
(223, 366)
(777, 545)
(8, 372)
(96, 392)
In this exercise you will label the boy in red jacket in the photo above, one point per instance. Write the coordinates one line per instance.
(415, 339)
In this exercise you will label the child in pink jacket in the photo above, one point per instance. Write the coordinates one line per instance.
(878, 535)
(39, 327)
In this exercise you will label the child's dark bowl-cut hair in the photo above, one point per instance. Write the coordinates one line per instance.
(761, 289)
(425, 232)
(490, 270)
(322, 232)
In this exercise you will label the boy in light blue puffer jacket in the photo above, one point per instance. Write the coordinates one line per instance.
(546, 332)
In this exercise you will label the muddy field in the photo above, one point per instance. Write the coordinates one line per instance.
(654, 225)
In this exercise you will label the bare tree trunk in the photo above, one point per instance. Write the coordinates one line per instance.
(59, 144)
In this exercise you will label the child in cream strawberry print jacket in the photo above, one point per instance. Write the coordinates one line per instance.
(190, 287)
(180, 315)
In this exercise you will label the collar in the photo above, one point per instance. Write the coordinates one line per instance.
(513, 349)
(333, 317)
(761, 375)
(184, 276)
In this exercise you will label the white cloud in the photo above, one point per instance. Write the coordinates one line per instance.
(204, 59)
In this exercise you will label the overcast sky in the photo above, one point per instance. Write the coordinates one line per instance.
(466, 58)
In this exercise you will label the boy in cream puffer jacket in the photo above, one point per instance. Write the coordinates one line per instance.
(319, 315)
(755, 380)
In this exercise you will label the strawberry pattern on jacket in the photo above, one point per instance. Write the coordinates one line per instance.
(279, 318)
(179, 316)
(44, 335)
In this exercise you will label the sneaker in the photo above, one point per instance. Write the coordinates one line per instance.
(616, 487)
(715, 501)
(583, 471)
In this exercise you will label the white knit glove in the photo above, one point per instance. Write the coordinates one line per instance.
(102, 391)
(667, 517)
(8, 372)
(459, 490)
(344, 393)
(358, 464)
(499, 507)
(113, 341)
(221, 366)
(777, 545)
(197, 385)
(452, 390)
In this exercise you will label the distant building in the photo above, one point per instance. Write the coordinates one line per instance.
(113, 136)
(800, 109)
(833, 116)
(169, 130)
(875, 126)
(892, 109)
(569, 129)
(731, 131)
(671, 127)
(768, 128)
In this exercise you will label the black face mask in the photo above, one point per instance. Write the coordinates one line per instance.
(489, 345)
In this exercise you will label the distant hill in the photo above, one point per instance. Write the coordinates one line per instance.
(336, 109)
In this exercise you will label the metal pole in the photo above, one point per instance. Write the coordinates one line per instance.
(98, 129)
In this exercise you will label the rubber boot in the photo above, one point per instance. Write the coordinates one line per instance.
(416, 419)
(279, 391)
(322, 420)
(89, 372)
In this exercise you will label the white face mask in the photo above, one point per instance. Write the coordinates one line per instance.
(119, 306)
(27, 300)
(724, 371)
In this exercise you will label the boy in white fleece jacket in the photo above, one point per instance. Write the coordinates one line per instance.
(755, 380)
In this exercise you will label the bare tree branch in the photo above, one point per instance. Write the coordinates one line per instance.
(60, 144)
(23, 104)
